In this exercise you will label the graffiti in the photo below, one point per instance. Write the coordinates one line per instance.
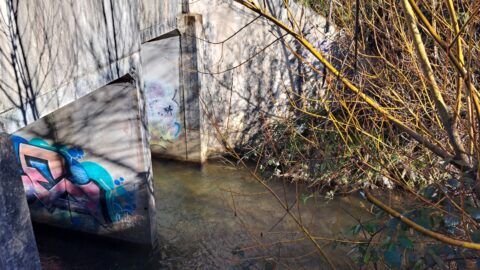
(162, 111)
(168, 109)
(55, 179)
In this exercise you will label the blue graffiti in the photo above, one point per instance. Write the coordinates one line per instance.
(178, 129)
(55, 177)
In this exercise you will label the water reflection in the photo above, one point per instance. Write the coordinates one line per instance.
(216, 217)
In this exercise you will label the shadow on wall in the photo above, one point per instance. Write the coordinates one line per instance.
(159, 17)
(84, 167)
(53, 52)
(249, 69)
(164, 99)
(84, 164)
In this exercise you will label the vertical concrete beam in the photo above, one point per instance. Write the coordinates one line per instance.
(189, 26)
(107, 132)
(147, 155)
(18, 249)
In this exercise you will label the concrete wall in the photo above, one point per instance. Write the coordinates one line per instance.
(247, 77)
(84, 155)
(244, 70)
(158, 17)
(18, 249)
(54, 52)
(165, 108)
(58, 51)
(172, 89)
(86, 166)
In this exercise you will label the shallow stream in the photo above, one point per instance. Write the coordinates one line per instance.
(217, 217)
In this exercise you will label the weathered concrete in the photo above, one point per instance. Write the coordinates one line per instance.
(247, 70)
(84, 155)
(189, 26)
(239, 70)
(87, 166)
(160, 64)
(18, 249)
(159, 17)
(173, 87)
(235, 74)
(55, 52)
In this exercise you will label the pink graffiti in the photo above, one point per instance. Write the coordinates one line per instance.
(61, 192)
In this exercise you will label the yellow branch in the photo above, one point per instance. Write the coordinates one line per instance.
(442, 108)
(438, 236)
(373, 104)
(456, 27)
(446, 47)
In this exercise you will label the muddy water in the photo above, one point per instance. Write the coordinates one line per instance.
(217, 217)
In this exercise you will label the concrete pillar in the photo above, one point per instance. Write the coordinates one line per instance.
(189, 26)
(104, 161)
(18, 249)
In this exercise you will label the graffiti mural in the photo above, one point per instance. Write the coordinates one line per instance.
(162, 111)
(54, 178)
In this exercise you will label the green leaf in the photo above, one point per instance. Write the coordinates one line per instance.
(453, 183)
(475, 236)
(368, 254)
(451, 221)
(430, 192)
(393, 257)
(305, 197)
(405, 242)
(370, 227)
(356, 229)
(474, 212)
